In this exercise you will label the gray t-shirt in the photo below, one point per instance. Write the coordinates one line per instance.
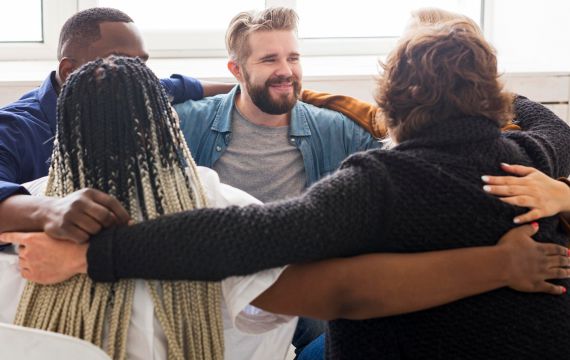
(262, 161)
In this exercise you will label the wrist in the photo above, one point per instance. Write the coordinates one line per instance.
(501, 257)
(565, 194)
(81, 259)
(40, 215)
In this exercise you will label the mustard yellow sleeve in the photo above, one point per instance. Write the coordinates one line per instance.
(363, 113)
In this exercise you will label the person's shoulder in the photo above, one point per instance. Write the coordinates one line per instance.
(205, 105)
(329, 120)
(368, 160)
(526, 107)
(26, 108)
(322, 114)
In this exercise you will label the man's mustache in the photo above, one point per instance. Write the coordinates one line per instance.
(282, 80)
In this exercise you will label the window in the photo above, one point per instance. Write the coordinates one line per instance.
(29, 29)
(368, 18)
(175, 28)
(178, 28)
(21, 21)
(182, 28)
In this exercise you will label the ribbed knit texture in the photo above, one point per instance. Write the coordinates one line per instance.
(424, 195)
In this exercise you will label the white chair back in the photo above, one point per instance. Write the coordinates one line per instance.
(20, 343)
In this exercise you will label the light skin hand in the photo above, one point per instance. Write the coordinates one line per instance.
(46, 260)
(531, 263)
(530, 188)
(80, 214)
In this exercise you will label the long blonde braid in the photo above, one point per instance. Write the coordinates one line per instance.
(117, 133)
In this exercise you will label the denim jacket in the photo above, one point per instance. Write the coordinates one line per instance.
(324, 137)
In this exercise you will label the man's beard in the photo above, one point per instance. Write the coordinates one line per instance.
(263, 100)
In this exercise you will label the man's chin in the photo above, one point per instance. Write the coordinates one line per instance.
(279, 107)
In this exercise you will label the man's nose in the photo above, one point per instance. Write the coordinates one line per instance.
(284, 69)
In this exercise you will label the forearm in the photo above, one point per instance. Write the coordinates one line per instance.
(379, 285)
(211, 244)
(548, 134)
(566, 198)
(22, 213)
(214, 88)
(565, 213)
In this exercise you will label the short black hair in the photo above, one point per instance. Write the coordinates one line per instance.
(83, 28)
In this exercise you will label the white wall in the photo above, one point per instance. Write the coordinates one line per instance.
(530, 35)
(551, 89)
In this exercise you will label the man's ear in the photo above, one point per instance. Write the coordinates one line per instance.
(235, 69)
(66, 67)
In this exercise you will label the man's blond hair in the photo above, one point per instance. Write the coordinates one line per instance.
(246, 23)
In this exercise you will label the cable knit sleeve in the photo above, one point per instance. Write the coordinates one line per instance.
(545, 137)
(339, 216)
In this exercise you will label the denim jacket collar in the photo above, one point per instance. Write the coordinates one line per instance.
(222, 122)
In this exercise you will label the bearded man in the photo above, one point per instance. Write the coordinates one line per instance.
(259, 137)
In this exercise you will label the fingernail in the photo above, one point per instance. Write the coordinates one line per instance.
(485, 178)
(516, 220)
(487, 188)
(568, 252)
(505, 164)
(564, 290)
(534, 225)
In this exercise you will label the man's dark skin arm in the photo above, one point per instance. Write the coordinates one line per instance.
(74, 217)
(212, 88)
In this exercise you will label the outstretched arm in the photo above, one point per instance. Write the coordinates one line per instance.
(361, 287)
(74, 217)
(378, 285)
(212, 88)
(181, 88)
(365, 114)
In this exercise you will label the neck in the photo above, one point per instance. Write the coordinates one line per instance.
(248, 109)
(56, 82)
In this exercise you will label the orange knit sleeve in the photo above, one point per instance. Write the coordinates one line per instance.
(363, 113)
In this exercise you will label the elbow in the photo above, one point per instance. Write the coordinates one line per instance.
(350, 300)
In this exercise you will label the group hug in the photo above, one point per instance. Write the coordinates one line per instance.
(188, 220)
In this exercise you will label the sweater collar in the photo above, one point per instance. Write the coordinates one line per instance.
(453, 132)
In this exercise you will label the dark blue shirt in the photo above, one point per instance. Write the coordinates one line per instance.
(27, 129)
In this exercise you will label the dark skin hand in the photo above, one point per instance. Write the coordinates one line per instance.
(74, 217)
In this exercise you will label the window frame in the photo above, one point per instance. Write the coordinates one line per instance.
(55, 12)
(54, 15)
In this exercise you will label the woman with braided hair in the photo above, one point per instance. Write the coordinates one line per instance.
(118, 134)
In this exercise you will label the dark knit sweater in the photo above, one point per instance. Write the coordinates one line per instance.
(424, 195)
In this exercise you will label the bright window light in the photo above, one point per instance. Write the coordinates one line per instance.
(368, 18)
(177, 15)
(21, 21)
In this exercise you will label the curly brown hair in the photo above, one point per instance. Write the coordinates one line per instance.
(441, 72)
